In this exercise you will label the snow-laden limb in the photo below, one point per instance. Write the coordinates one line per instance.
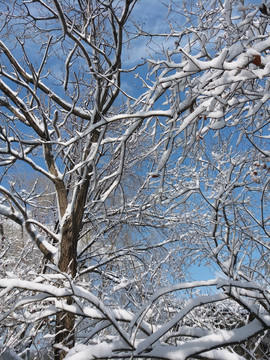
(20, 217)
(48, 231)
(53, 293)
(47, 249)
(102, 350)
(148, 339)
(211, 341)
(105, 350)
(139, 115)
(11, 214)
(50, 290)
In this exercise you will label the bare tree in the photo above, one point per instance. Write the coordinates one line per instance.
(136, 185)
(61, 86)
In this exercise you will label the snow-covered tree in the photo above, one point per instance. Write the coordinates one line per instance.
(138, 170)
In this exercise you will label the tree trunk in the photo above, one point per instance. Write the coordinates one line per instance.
(65, 336)
(65, 322)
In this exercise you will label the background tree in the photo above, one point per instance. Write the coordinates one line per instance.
(139, 185)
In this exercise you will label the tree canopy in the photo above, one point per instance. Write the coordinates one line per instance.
(134, 149)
